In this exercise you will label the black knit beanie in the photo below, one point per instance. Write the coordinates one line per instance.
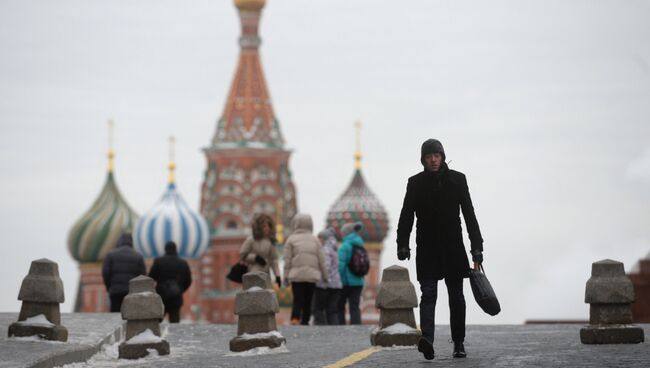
(432, 146)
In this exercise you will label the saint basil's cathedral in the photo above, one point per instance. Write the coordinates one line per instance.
(247, 172)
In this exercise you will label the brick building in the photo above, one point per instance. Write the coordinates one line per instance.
(247, 171)
(640, 276)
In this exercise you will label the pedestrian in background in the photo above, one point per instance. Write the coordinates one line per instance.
(436, 195)
(173, 277)
(121, 265)
(258, 252)
(326, 295)
(304, 265)
(352, 283)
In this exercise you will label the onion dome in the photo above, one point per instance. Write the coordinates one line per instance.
(359, 204)
(250, 5)
(171, 219)
(98, 230)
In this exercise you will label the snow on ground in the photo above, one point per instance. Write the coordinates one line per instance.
(398, 328)
(38, 320)
(260, 351)
(145, 337)
(261, 335)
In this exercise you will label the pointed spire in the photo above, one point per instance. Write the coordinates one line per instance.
(172, 163)
(111, 153)
(248, 119)
(357, 153)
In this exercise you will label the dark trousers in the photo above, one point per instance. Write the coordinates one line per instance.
(325, 306)
(352, 296)
(174, 314)
(116, 302)
(456, 308)
(302, 295)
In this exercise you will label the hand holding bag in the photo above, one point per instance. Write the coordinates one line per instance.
(483, 292)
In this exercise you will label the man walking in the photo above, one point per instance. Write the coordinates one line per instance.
(436, 196)
(121, 265)
(173, 277)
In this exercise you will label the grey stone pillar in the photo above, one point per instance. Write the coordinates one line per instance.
(256, 307)
(610, 295)
(41, 293)
(142, 309)
(396, 299)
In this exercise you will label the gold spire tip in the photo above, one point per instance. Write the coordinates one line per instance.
(111, 153)
(357, 153)
(172, 164)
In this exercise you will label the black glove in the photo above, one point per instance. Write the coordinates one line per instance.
(403, 253)
(477, 256)
(278, 281)
(260, 260)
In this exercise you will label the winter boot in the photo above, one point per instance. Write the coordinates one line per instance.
(295, 321)
(459, 350)
(426, 348)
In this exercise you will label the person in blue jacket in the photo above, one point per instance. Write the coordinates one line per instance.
(352, 284)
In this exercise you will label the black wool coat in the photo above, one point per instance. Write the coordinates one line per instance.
(436, 198)
(171, 267)
(120, 266)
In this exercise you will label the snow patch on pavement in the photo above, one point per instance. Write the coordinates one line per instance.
(264, 350)
(145, 337)
(38, 320)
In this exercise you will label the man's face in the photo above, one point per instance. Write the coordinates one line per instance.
(432, 161)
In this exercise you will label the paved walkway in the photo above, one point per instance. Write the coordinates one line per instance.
(87, 333)
(204, 345)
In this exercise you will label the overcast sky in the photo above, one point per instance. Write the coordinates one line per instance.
(544, 105)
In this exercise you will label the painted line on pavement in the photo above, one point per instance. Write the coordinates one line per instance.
(353, 358)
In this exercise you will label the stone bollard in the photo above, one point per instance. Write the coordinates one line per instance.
(256, 307)
(610, 293)
(142, 309)
(41, 292)
(396, 299)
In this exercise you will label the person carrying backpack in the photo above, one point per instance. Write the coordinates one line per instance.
(352, 282)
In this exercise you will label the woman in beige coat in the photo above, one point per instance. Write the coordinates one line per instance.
(304, 265)
(258, 251)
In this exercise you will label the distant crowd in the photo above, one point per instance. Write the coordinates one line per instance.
(323, 276)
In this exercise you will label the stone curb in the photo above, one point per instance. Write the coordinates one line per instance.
(79, 353)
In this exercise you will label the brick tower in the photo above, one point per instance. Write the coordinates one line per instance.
(247, 171)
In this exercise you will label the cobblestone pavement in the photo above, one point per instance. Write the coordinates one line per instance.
(205, 345)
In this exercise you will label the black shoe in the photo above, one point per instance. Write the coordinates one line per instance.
(426, 348)
(459, 350)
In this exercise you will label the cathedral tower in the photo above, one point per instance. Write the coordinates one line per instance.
(247, 170)
(359, 204)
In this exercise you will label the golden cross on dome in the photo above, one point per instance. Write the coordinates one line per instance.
(172, 164)
(357, 153)
(111, 153)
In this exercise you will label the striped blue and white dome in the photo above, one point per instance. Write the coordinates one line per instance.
(171, 219)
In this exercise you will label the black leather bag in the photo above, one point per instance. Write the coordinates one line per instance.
(483, 292)
(169, 289)
(237, 273)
